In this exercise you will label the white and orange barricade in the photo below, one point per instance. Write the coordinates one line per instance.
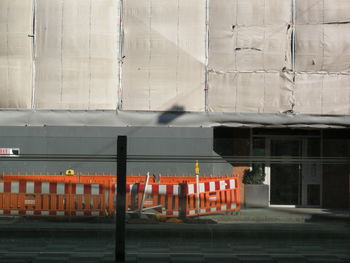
(215, 196)
(94, 195)
(33, 198)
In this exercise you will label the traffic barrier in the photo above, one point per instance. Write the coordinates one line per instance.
(28, 198)
(164, 195)
(214, 197)
(89, 195)
(105, 179)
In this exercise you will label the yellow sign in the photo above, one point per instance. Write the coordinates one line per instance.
(196, 170)
(70, 172)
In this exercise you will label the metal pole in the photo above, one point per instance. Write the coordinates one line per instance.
(196, 171)
(293, 34)
(144, 194)
(121, 192)
(206, 79)
(121, 49)
(198, 200)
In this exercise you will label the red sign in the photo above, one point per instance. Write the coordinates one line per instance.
(9, 151)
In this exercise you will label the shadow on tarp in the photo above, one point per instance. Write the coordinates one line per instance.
(171, 114)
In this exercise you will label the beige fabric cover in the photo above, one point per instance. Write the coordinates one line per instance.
(249, 35)
(250, 92)
(322, 11)
(16, 51)
(249, 55)
(322, 94)
(77, 54)
(164, 55)
(322, 83)
(323, 48)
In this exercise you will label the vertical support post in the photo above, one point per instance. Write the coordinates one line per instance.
(121, 49)
(349, 191)
(206, 79)
(121, 198)
(183, 200)
(196, 171)
(144, 194)
(293, 34)
(198, 200)
(33, 35)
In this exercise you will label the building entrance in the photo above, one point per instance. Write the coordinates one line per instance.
(285, 177)
(292, 168)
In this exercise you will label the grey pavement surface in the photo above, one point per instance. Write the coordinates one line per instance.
(254, 235)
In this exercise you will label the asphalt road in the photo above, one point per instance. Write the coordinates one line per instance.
(52, 241)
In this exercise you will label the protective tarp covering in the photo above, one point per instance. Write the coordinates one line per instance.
(323, 47)
(249, 56)
(16, 42)
(164, 55)
(322, 93)
(77, 54)
(250, 92)
(322, 11)
(249, 35)
(322, 82)
(137, 119)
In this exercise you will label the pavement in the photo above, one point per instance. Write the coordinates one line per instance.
(283, 215)
(253, 235)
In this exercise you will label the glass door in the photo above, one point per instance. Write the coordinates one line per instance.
(285, 180)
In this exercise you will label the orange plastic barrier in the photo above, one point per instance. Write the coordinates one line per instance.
(213, 196)
(105, 179)
(25, 198)
(86, 195)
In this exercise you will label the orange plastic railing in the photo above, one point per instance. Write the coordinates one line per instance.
(76, 203)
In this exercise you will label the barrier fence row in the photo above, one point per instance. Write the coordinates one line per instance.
(88, 196)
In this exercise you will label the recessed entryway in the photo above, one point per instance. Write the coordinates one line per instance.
(292, 167)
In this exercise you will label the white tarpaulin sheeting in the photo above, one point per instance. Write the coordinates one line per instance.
(16, 45)
(322, 11)
(77, 54)
(250, 92)
(322, 93)
(323, 47)
(249, 35)
(164, 119)
(249, 53)
(164, 55)
(246, 47)
(251, 49)
(322, 82)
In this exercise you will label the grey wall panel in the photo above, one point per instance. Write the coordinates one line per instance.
(163, 142)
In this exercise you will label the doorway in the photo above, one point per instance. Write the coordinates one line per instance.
(292, 170)
(285, 177)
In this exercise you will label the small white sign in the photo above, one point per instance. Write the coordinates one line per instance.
(9, 152)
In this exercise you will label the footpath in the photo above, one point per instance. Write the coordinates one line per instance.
(248, 223)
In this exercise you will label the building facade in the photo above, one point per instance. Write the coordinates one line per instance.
(244, 82)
